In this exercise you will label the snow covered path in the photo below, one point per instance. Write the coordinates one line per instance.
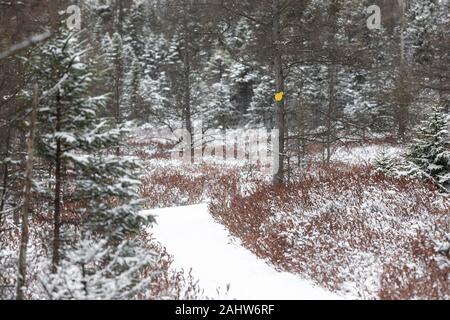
(199, 243)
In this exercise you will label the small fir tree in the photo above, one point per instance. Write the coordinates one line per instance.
(97, 215)
(430, 150)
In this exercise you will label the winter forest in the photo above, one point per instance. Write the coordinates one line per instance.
(224, 149)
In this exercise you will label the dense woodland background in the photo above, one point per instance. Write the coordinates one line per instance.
(173, 62)
(66, 103)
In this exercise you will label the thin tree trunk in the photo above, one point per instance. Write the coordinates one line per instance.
(120, 16)
(118, 93)
(280, 87)
(300, 139)
(119, 67)
(187, 111)
(331, 111)
(24, 234)
(402, 6)
(5, 175)
(333, 11)
(57, 199)
(403, 110)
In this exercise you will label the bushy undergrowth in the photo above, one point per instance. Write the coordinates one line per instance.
(171, 183)
(167, 185)
(163, 281)
(348, 229)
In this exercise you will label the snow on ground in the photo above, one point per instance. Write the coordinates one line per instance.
(364, 154)
(225, 269)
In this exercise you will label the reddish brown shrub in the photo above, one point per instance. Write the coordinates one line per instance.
(347, 229)
(174, 185)
(167, 283)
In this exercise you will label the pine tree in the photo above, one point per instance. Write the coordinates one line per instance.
(155, 90)
(213, 92)
(134, 27)
(132, 106)
(430, 150)
(115, 55)
(386, 164)
(261, 110)
(97, 254)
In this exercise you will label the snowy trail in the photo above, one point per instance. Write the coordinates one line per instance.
(199, 243)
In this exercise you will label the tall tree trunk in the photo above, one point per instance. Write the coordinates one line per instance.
(331, 114)
(301, 135)
(120, 17)
(280, 87)
(24, 232)
(187, 110)
(57, 198)
(403, 109)
(119, 7)
(118, 91)
(5, 176)
(333, 11)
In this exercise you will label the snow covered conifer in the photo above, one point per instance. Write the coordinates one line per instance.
(386, 164)
(430, 150)
(115, 53)
(96, 208)
(213, 94)
(132, 96)
(135, 27)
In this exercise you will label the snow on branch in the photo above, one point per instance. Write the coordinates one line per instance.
(55, 88)
(25, 44)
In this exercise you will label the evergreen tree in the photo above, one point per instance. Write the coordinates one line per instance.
(213, 92)
(132, 106)
(430, 150)
(115, 57)
(386, 164)
(155, 88)
(92, 187)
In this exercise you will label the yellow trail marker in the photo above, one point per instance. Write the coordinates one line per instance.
(279, 96)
